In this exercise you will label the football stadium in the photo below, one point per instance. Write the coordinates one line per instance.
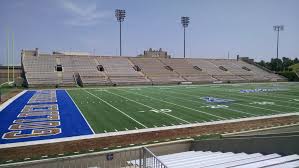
(78, 109)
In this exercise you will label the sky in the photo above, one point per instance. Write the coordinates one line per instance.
(217, 27)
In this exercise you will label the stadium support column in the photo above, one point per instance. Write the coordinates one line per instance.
(120, 15)
(185, 22)
(277, 28)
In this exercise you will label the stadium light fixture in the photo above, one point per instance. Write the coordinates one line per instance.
(185, 22)
(120, 15)
(277, 28)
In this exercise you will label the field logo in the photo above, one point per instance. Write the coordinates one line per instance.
(209, 99)
(263, 103)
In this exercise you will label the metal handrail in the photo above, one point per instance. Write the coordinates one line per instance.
(160, 163)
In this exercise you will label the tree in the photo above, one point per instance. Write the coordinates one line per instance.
(279, 64)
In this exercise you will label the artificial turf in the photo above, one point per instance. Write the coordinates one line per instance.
(127, 108)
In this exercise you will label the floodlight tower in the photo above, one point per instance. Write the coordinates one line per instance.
(120, 15)
(185, 22)
(277, 28)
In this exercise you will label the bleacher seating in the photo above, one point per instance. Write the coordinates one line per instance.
(158, 72)
(86, 67)
(121, 71)
(68, 70)
(217, 71)
(197, 159)
(40, 70)
(260, 74)
(93, 78)
(187, 71)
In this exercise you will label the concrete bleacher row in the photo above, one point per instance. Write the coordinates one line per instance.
(199, 159)
(102, 70)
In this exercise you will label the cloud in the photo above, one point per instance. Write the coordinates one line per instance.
(83, 14)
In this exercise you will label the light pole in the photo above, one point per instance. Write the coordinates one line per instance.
(120, 15)
(185, 22)
(277, 28)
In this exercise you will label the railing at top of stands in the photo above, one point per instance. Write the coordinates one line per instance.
(149, 159)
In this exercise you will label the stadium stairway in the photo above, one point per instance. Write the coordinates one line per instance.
(197, 159)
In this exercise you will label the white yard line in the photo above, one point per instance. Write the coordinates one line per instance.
(5, 104)
(179, 105)
(80, 112)
(149, 107)
(125, 114)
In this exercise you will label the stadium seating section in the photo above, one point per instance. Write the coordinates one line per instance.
(228, 159)
(69, 70)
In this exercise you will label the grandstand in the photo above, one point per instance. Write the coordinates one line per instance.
(199, 159)
(69, 70)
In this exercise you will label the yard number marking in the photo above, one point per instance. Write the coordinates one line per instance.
(158, 111)
(263, 103)
(216, 106)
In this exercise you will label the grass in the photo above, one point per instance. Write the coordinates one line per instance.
(129, 108)
(6, 89)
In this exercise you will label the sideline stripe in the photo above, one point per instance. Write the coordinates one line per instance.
(80, 112)
(149, 107)
(116, 109)
(179, 105)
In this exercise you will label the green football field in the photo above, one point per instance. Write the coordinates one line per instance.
(111, 109)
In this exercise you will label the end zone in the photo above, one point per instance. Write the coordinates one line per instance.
(41, 115)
